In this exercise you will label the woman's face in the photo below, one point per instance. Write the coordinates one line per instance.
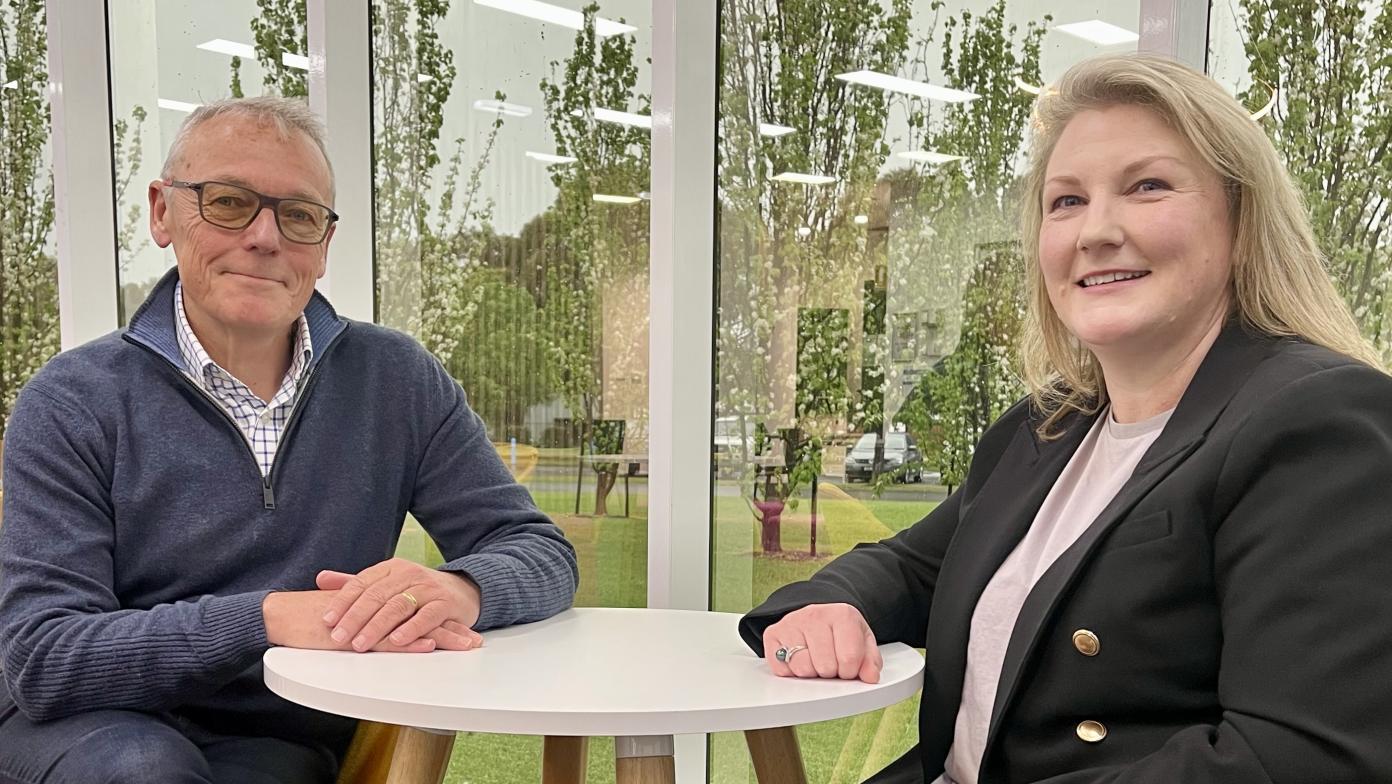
(1136, 241)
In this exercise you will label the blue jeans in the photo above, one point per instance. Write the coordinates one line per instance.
(125, 747)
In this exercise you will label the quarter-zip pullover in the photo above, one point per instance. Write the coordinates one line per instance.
(140, 537)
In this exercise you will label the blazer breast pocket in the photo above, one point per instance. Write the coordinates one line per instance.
(1133, 531)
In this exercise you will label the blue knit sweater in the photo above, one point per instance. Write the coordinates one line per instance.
(139, 538)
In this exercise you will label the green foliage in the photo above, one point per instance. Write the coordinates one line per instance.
(606, 438)
(788, 249)
(804, 461)
(954, 254)
(235, 89)
(279, 29)
(420, 261)
(869, 404)
(1330, 63)
(589, 244)
(500, 359)
(941, 214)
(437, 274)
(127, 155)
(28, 270)
(984, 55)
(976, 383)
(824, 338)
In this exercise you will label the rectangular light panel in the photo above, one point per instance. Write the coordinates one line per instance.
(608, 199)
(502, 107)
(621, 118)
(554, 14)
(547, 157)
(1099, 32)
(178, 106)
(804, 179)
(769, 129)
(248, 52)
(909, 86)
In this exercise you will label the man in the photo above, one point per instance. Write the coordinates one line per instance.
(230, 472)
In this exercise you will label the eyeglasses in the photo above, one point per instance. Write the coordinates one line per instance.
(234, 207)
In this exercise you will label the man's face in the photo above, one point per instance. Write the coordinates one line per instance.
(242, 282)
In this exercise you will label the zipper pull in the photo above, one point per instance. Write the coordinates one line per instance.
(267, 494)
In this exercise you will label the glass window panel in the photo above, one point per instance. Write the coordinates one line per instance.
(28, 264)
(511, 167)
(1317, 75)
(167, 58)
(869, 282)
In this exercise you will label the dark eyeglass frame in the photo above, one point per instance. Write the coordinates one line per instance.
(265, 201)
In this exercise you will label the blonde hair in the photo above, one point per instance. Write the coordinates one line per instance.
(288, 115)
(1280, 286)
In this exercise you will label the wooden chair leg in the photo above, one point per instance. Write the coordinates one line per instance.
(776, 756)
(563, 759)
(421, 756)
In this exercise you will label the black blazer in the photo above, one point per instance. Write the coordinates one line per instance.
(1239, 585)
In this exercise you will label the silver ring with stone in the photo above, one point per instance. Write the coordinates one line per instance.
(785, 654)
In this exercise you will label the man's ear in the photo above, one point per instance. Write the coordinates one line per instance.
(159, 213)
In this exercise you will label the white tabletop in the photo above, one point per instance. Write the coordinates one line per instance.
(599, 671)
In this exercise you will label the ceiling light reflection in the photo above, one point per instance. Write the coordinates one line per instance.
(248, 52)
(549, 157)
(503, 107)
(1099, 32)
(804, 179)
(620, 118)
(178, 106)
(899, 85)
(554, 14)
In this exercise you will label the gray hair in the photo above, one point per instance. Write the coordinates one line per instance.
(288, 115)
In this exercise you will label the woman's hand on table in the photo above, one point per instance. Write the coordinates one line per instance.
(824, 641)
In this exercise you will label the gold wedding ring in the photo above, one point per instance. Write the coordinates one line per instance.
(408, 597)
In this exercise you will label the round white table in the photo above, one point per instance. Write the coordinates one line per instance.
(637, 674)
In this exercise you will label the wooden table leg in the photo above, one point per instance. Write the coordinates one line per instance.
(563, 759)
(776, 756)
(644, 759)
(421, 756)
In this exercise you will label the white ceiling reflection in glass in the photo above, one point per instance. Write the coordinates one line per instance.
(554, 14)
(907, 86)
(502, 50)
(1099, 32)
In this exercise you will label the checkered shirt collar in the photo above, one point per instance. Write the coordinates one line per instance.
(198, 364)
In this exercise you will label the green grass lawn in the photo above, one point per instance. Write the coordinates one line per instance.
(612, 553)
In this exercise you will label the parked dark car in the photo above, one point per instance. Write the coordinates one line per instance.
(899, 449)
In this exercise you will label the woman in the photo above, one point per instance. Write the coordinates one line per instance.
(1169, 564)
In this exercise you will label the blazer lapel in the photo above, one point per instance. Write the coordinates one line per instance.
(992, 523)
(1230, 361)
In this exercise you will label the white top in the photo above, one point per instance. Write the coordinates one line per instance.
(597, 671)
(1104, 461)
